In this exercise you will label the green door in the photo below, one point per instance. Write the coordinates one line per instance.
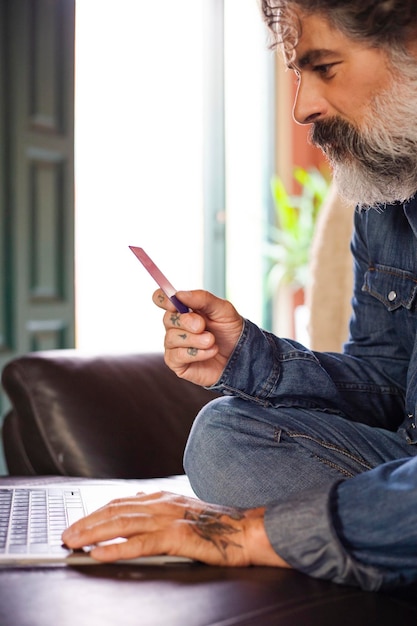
(36, 176)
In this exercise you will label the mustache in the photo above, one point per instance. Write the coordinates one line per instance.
(342, 142)
(337, 139)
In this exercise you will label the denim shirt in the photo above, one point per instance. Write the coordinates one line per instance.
(373, 381)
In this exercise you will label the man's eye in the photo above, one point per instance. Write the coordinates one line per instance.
(324, 69)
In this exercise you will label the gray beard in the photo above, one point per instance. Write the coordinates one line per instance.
(375, 165)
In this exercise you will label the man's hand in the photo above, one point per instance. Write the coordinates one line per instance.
(165, 523)
(198, 344)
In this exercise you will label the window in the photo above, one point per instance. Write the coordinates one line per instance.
(170, 139)
(138, 163)
(250, 143)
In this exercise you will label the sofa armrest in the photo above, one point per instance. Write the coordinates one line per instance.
(110, 416)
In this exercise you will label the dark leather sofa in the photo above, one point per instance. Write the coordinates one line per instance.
(128, 417)
(118, 416)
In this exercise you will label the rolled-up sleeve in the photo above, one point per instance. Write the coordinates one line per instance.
(301, 530)
(361, 531)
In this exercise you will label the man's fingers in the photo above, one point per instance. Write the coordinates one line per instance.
(138, 545)
(160, 299)
(124, 516)
(105, 530)
(178, 338)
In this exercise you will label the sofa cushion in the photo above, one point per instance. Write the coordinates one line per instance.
(124, 416)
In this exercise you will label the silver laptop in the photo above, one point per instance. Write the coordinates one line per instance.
(33, 517)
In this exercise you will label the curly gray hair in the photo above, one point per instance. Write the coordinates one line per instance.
(382, 23)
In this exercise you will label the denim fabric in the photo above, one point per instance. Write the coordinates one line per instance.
(328, 441)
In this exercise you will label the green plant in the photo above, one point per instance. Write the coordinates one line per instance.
(289, 238)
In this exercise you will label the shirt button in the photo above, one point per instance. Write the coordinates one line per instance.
(392, 295)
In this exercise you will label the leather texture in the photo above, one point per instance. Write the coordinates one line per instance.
(118, 416)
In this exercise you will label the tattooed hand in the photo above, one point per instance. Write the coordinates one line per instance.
(165, 523)
(198, 344)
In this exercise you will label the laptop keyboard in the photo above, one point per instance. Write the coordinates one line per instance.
(32, 520)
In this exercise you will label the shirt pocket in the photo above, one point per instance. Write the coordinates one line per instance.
(393, 287)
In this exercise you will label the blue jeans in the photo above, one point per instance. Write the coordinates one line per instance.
(245, 455)
(345, 488)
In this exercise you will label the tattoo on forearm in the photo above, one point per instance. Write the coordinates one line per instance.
(192, 351)
(210, 527)
(175, 319)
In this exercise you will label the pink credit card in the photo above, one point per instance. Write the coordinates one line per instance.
(159, 277)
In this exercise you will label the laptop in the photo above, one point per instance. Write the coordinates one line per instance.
(33, 517)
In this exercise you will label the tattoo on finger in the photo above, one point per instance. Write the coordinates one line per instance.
(183, 336)
(175, 319)
(192, 351)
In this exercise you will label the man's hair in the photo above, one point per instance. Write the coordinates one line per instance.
(381, 23)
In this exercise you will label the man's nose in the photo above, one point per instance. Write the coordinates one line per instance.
(309, 104)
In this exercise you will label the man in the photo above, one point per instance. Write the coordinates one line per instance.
(309, 460)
